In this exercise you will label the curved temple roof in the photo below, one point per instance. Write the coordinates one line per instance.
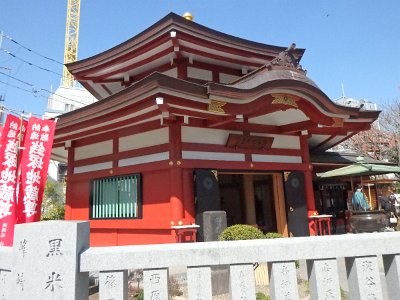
(170, 39)
(271, 93)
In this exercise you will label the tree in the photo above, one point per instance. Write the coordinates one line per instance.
(390, 121)
(382, 141)
(53, 201)
(374, 143)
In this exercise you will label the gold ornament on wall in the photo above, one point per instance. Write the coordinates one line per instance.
(285, 100)
(337, 122)
(216, 106)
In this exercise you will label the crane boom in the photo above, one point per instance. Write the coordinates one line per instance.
(71, 40)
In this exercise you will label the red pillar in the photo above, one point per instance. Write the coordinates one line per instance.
(305, 155)
(188, 195)
(181, 65)
(176, 186)
(70, 175)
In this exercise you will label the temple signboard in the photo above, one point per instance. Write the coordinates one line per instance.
(249, 141)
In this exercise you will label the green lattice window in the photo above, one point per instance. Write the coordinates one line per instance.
(116, 197)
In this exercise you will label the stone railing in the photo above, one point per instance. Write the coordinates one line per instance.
(44, 265)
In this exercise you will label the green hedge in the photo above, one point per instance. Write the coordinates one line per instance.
(262, 296)
(241, 232)
(273, 235)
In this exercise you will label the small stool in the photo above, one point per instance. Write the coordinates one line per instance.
(185, 233)
(323, 224)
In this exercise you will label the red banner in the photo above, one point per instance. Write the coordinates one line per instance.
(34, 167)
(10, 139)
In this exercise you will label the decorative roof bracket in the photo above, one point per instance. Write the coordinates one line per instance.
(286, 59)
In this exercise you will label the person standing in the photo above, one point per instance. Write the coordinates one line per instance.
(358, 200)
(385, 204)
(393, 214)
(392, 199)
(397, 205)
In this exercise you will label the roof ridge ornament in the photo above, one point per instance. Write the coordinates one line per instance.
(286, 59)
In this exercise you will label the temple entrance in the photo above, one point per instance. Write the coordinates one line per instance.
(255, 199)
(249, 199)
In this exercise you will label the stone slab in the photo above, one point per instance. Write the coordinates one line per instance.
(242, 285)
(392, 270)
(324, 279)
(199, 283)
(283, 280)
(4, 284)
(113, 285)
(46, 256)
(363, 277)
(214, 222)
(155, 284)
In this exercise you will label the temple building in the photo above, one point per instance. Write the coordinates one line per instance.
(188, 120)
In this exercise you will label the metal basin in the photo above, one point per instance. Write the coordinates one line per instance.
(368, 221)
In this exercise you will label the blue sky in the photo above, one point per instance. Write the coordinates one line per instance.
(356, 43)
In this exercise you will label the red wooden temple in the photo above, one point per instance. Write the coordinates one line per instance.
(189, 120)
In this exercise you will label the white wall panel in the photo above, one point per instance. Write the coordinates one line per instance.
(213, 156)
(283, 141)
(94, 150)
(143, 159)
(199, 74)
(205, 136)
(94, 167)
(145, 139)
(279, 118)
(276, 158)
(286, 142)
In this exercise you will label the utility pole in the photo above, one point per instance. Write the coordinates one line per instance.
(1, 110)
(1, 96)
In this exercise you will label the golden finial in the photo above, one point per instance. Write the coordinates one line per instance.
(188, 16)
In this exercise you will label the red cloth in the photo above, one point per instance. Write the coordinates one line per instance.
(34, 167)
(9, 154)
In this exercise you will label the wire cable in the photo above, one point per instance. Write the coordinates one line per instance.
(12, 77)
(20, 113)
(29, 63)
(30, 50)
(36, 91)
(16, 87)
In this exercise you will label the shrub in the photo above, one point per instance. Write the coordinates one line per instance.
(53, 201)
(140, 296)
(53, 210)
(241, 232)
(174, 287)
(262, 296)
(273, 235)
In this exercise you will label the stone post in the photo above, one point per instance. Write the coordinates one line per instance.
(214, 222)
(155, 284)
(113, 285)
(363, 278)
(46, 261)
(242, 284)
(283, 280)
(199, 282)
(392, 273)
(6, 257)
(324, 279)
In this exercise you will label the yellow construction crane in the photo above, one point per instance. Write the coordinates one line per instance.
(71, 40)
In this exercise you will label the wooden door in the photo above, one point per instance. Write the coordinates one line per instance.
(206, 195)
(296, 206)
